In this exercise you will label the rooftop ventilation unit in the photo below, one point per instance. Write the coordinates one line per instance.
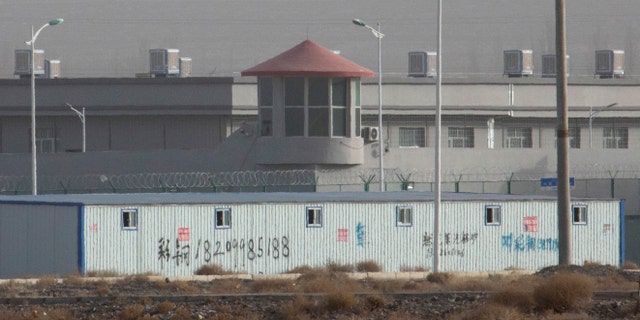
(549, 66)
(164, 62)
(422, 64)
(518, 63)
(52, 69)
(185, 67)
(610, 63)
(23, 63)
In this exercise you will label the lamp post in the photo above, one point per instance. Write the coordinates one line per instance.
(438, 157)
(84, 125)
(378, 35)
(32, 43)
(592, 114)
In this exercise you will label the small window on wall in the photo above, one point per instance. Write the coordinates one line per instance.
(314, 217)
(492, 215)
(223, 218)
(130, 219)
(404, 216)
(579, 214)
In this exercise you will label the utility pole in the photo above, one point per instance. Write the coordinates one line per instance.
(564, 193)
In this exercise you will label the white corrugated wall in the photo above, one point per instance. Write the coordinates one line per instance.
(273, 237)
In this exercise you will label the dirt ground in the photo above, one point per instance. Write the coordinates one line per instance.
(332, 297)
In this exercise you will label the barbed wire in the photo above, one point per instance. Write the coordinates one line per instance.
(236, 180)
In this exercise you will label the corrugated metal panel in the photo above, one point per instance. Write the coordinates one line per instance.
(274, 238)
(38, 240)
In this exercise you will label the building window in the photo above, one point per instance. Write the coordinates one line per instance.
(404, 216)
(46, 140)
(223, 218)
(130, 219)
(579, 214)
(339, 87)
(574, 138)
(265, 96)
(412, 137)
(316, 107)
(266, 122)
(518, 138)
(314, 217)
(615, 138)
(461, 138)
(358, 123)
(492, 215)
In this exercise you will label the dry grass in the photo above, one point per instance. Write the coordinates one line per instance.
(211, 270)
(515, 295)
(563, 292)
(298, 308)
(325, 282)
(368, 266)
(491, 312)
(439, 277)
(132, 312)
(46, 282)
(629, 265)
(276, 285)
(413, 269)
(102, 288)
(177, 286)
(303, 269)
(227, 286)
(164, 307)
(73, 280)
(333, 266)
(102, 274)
(340, 300)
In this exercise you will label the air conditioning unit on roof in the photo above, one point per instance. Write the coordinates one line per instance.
(164, 62)
(185, 67)
(23, 62)
(610, 63)
(422, 64)
(52, 69)
(518, 63)
(549, 66)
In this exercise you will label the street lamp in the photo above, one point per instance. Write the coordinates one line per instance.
(32, 43)
(378, 35)
(84, 125)
(592, 114)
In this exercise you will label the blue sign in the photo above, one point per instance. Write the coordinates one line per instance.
(552, 183)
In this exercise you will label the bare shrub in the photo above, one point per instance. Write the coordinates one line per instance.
(303, 269)
(439, 277)
(102, 288)
(629, 265)
(164, 307)
(275, 285)
(613, 282)
(368, 266)
(137, 279)
(340, 300)
(11, 288)
(73, 280)
(46, 282)
(563, 291)
(182, 313)
(325, 282)
(472, 284)
(210, 270)
(515, 296)
(373, 302)
(298, 308)
(333, 266)
(132, 312)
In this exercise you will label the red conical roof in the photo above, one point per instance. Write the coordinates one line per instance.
(308, 59)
